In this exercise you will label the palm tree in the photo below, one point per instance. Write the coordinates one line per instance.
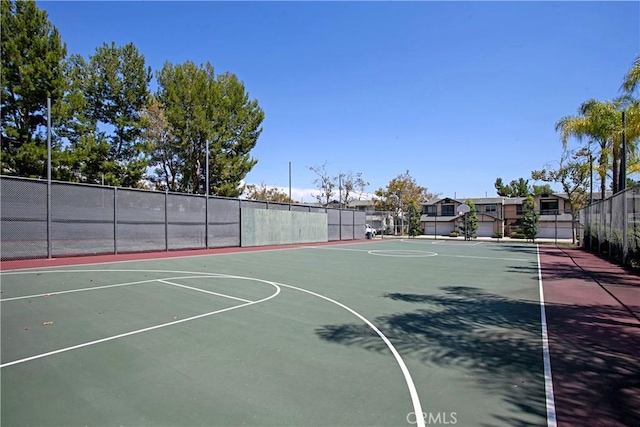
(598, 122)
(630, 84)
(632, 79)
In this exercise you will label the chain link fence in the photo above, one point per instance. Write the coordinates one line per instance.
(66, 219)
(611, 227)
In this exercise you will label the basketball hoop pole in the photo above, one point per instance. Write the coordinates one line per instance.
(462, 210)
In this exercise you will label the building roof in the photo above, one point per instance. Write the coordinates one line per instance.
(492, 200)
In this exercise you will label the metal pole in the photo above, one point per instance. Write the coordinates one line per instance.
(401, 219)
(206, 200)
(590, 177)
(623, 158)
(340, 190)
(590, 198)
(115, 220)
(435, 225)
(289, 185)
(466, 231)
(49, 255)
(166, 219)
(625, 223)
(556, 228)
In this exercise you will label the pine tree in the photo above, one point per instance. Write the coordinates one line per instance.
(469, 225)
(414, 219)
(32, 71)
(530, 220)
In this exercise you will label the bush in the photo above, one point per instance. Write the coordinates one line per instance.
(497, 235)
(517, 235)
(454, 234)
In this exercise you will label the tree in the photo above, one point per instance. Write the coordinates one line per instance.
(266, 194)
(631, 104)
(32, 69)
(204, 109)
(103, 112)
(632, 78)
(413, 215)
(516, 188)
(399, 193)
(324, 183)
(351, 187)
(238, 126)
(469, 225)
(601, 123)
(165, 154)
(530, 219)
(404, 189)
(542, 189)
(573, 174)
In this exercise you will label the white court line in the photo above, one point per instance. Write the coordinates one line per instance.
(415, 399)
(332, 248)
(93, 288)
(454, 243)
(441, 242)
(151, 328)
(70, 291)
(548, 379)
(438, 254)
(202, 290)
(403, 367)
(485, 257)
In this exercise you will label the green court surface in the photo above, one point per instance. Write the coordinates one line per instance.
(360, 334)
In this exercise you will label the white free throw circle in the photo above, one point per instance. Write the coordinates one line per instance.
(403, 253)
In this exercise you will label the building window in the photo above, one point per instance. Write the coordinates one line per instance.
(490, 208)
(431, 210)
(548, 207)
(448, 210)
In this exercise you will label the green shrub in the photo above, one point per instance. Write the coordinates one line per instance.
(454, 234)
(497, 235)
(517, 235)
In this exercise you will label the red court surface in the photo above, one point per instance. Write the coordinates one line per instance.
(593, 310)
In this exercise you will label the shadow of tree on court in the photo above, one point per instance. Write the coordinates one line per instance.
(523, 248)
(497, 341)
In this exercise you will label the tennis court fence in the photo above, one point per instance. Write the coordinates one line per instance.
(66, 219)
(611, 227)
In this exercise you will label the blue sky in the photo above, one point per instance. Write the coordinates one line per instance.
(457, 93)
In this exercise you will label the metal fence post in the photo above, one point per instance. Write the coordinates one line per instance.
(49, 243)
(610, 225)
(353, 221)
(49, 213)
(115, 220)
(166, 220)
(240, 223)
(206, 220)
(625, 224)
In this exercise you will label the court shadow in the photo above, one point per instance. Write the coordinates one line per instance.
(496, 341)
(557, 267)
(511, 248)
